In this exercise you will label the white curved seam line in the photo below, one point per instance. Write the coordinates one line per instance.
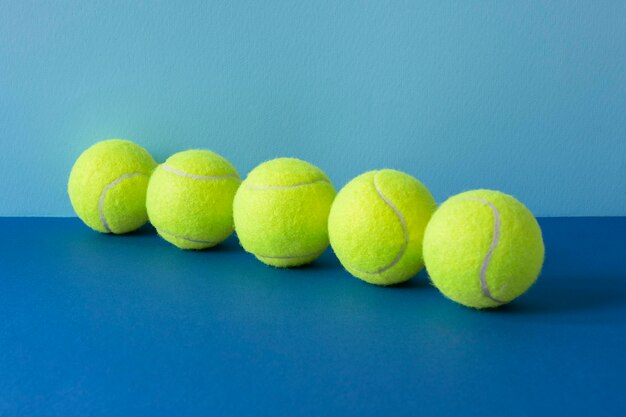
(405, 234)
(104, 191)
(280, 187)
(494, 244)
(306, 255)
(197, 177)
(209, 242)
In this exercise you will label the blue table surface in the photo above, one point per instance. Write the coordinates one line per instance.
(105, 325)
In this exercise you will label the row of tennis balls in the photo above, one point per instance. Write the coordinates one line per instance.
(481, 248)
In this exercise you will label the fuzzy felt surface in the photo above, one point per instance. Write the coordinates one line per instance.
(107, 186)
(190, 199)
(483, 248)
(281, 212)
(377, 223)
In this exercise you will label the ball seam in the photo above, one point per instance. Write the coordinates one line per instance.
(495, 240)
(405, 233)
(106, 188)
(195, 176)
(306, 255)
(280, 187)
(208, 242)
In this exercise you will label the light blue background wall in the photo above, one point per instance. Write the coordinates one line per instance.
(526, 97)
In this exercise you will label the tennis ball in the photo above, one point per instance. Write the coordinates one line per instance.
(376, 225)
(107, 186)
(190, 199)
(281, 212)
(483, 248)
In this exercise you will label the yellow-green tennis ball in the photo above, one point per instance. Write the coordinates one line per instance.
(483, 248)
(190, 199)
(107, 186)
(376, 225)
(281, 212)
